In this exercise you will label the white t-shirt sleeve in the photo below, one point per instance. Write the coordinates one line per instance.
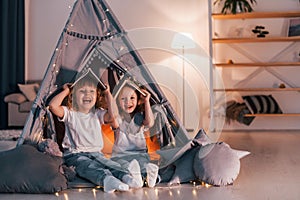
(100, 114)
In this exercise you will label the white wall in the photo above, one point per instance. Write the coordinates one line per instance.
(45, 20)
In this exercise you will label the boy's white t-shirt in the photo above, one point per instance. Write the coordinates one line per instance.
(83, 131)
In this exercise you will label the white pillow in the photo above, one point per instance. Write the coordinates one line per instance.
(218, 164)
(29, 90)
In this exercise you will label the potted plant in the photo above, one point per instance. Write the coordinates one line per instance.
(236, 6)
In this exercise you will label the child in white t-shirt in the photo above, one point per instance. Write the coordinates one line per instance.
(134, 119)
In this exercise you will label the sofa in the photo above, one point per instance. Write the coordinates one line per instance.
(19, 103)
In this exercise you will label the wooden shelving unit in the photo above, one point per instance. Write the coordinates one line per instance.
(267, 39)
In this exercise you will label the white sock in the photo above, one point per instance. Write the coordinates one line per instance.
(134, 179)
(152, 173)
(111, 184)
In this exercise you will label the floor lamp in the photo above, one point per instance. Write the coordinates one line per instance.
(183, 41)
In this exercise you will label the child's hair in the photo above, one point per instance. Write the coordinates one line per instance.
(83, 82)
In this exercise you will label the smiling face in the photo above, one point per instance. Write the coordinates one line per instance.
(128, 99)
(85, 98)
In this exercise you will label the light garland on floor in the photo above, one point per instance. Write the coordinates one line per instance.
(159, 190)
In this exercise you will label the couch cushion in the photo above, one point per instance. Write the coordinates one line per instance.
(25, 106)
(29, 90)
(15, 98)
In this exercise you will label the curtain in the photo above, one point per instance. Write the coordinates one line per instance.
(12, 55)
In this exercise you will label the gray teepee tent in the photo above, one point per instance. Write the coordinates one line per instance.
(93, 38)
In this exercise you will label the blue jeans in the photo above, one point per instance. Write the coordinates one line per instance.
(94, 167)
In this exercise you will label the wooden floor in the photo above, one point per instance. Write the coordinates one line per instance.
(270, 172)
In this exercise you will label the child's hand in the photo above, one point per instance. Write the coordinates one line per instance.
(67, 86)
(147, 97)
(107, 90)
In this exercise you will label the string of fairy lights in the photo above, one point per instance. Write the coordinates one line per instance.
(71, 32)
(174, 192)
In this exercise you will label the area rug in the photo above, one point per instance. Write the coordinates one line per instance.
(10, 134)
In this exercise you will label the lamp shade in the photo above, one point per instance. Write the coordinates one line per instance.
(183, 40)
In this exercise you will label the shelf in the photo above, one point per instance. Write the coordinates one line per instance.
(253, 39)
(273, 115)
(271, 64)
(256, 89)
(246, 46)
(257, 15)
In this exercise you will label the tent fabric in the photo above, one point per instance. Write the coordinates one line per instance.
(93, 38)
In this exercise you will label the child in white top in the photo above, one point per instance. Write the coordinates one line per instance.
(134, 119)
(83, 140)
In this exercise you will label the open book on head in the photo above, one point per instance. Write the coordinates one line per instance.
(90, 74)
(126, 81)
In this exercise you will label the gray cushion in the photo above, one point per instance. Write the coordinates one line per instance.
(26, 170)
(217, 163)
(184, 167)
